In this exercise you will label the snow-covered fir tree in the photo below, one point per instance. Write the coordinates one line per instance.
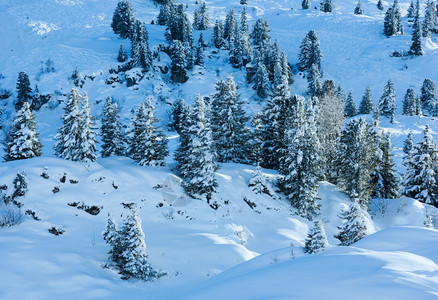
(327, 6)
(260, 33)
(260, 79)
(199, 54)
(408, 144)
(310, 52)
(275, 113)
(258, 183)
(305, 4)
(230, 28)
(134, 255)
(228, 119)
(356, 160)
(355, 225)
(201, 21)
(122, 56)
(86, 140)
(199, 165)
(113, 138)
(218, 34)
(123, 19)
(179, 112)
(22, 139)
(350, 106)
(380, 5)
(111, 235)
(285, 68)
(179, 26)
(147, 142)
(76, 138)
(316, 240)
(409, 103)
(314, 87)
(411, 10)
(20, 184)
(366, 104)
(385, 179)
(387, 101)
(430, 19)
(24, 91)
(141, 56)
(429, 97)
(420, 178)
(179, 62)
(358, 10)
(416, 47)
(392, 22)
(302, 162)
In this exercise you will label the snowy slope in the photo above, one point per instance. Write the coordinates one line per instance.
(195, 243)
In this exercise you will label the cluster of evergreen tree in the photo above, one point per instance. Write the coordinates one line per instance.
(128, 248)
(421, 160)
(126, 26)
(392, 23)
(26, 94)
(196, 156)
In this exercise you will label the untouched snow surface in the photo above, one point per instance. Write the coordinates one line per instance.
(234, 252)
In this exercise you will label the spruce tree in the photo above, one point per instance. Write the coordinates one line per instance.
(305, 4)
(392, 22)
(201, 21)
(310, 51)
(181, 155)
(199, 54)
(316, 240)
(420, 178)
(260, 33)
(147, 143)
(230, 28)
(430, 19)
(261, 77)
(387, 101)
(258, 182)
(411, 10)
(122, 56)
(179, 112)
(24, 91)
(179, 26)
(199, 171)
(113, 138)
(354, 227)
(302, 163)
(380, 5)
(314, 87)
(429, 96)
(22, 140)
(123, 19)
(228, 119)
(134, 255)
(409, 103)
(416, 48)
(68, 133)
(385, 179)
(218, 34)
(350, 106)
(356, 160)
(85, 141)
(179, 62)
(275, 113)
(285, 68)
(327, 6)
(366, 105)
(141, 55)
(111, 235)
(358, 10)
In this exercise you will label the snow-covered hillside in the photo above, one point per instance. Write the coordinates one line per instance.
(235, 251)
